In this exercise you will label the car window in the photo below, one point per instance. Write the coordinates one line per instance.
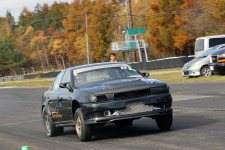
(66, 77)
(57, 80)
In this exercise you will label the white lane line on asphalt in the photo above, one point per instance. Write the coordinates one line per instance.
(6, 87)
(184, 98)
(16, 123)
(23, 87)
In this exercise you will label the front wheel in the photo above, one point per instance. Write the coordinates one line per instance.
(164, 122)
(84, 132)
(50, 128)
(205, 71)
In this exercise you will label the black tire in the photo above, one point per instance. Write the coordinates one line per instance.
(84, 132)
(164, 122)
(205, 71)
(50, 128)
(124, 123)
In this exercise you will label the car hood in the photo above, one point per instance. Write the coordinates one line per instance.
(121, 85)
(193, 61)
(200, 60)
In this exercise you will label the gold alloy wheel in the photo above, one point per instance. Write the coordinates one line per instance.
(78, 126)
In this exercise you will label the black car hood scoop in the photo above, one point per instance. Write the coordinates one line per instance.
(117, 86)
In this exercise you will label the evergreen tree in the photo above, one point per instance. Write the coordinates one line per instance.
(9, 58)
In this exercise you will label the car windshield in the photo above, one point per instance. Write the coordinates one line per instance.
(104, 74)
(207, 52)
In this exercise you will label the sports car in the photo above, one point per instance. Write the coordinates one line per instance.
(96, 94)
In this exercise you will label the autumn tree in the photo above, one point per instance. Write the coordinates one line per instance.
(38, 48)
(162, 28)
(101, 29)
(25, 18)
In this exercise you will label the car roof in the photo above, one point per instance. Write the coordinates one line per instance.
(218, 51)
(95, 64)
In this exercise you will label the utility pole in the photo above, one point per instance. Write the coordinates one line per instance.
(128, 22)
(88, 50)
(131, 26)
(130, 13)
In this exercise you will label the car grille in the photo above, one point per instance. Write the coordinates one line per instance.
(124, 95)
(214, 59)
(135, 107)
(186, 73)
(132, 94)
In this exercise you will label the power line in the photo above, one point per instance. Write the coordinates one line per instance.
(119, 16)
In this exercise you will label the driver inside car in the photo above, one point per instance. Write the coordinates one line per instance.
(80, 79)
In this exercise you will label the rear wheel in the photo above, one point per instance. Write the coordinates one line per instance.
(205, 71)
(164, 122)
(124, 123)
(84, 132)
(50, 128)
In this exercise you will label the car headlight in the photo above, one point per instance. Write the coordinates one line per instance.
(186, 67)
(222, 55)
(93, 98)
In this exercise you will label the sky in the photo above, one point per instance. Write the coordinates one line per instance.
(16, 6)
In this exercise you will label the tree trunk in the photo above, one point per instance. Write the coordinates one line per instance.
(46, 57)
(62, 61)
(40, 58)
(56, 61)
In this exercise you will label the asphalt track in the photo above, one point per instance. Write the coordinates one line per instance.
(199, 120)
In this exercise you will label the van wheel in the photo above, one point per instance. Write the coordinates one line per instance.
(205, 71)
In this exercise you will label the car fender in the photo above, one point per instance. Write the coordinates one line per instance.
(47, 108)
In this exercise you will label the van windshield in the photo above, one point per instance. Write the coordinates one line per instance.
(199, 45)
(216, 41)
(207, 52)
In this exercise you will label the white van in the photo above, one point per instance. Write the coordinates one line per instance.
(204, 43)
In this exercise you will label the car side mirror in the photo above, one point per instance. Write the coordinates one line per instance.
(63, 85)
(66, 85)
(146, 74)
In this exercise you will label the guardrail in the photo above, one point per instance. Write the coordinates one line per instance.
(165, 63)
(29, 76)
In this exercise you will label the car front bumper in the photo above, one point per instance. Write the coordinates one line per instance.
(149, 106)
(191, 72)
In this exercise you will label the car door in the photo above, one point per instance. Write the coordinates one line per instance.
(53, 95)
(64, 104)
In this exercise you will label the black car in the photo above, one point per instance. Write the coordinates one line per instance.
(96, 94)
(217, 61)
